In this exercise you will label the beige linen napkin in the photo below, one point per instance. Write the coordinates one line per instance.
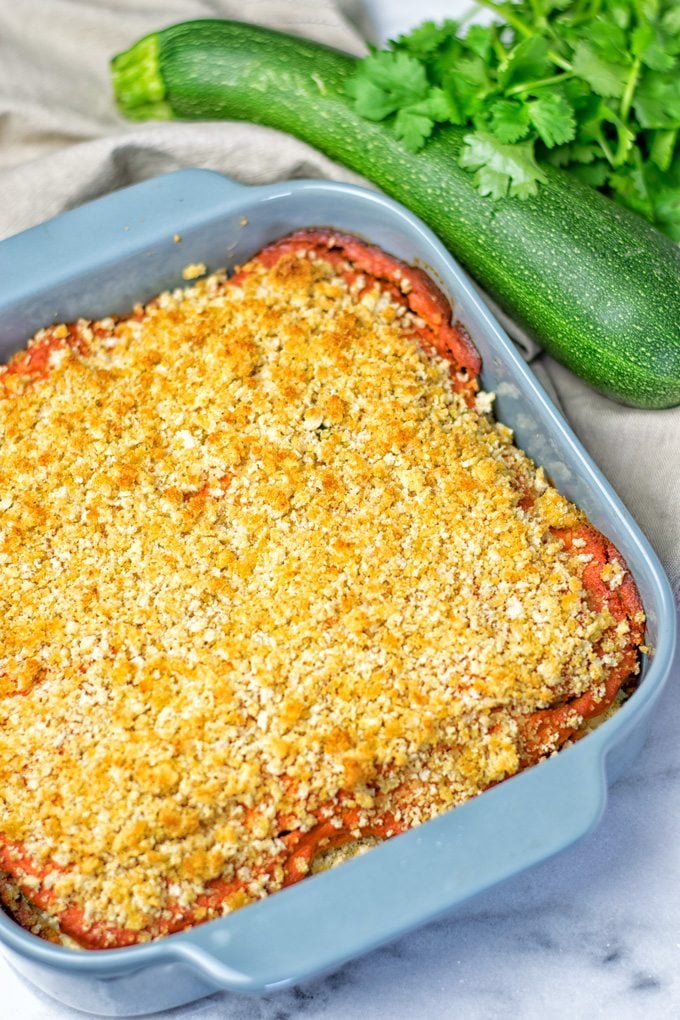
(62, 143)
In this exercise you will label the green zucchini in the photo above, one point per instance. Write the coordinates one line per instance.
(596, 285)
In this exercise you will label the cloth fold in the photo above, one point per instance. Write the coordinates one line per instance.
(62, 143)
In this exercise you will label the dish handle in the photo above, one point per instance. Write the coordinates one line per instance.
(327, 919)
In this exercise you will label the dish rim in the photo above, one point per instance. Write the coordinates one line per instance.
(591, 752)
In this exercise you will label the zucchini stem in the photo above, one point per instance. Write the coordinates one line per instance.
(137, 83)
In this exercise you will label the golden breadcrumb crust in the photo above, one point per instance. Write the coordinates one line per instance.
(258, 558)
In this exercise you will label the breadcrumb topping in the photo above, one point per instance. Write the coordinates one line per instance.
(257, 555)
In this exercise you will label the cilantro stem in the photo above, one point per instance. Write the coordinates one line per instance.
(539, 17)
(529, 86)
(524, 29)
(605, 148)
(560, 61)
(499, 49)
(508, 16)
(627, 97)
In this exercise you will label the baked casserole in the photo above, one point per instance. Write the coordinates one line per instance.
(275, 586)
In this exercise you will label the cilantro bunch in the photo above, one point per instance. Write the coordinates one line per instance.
(589, 85)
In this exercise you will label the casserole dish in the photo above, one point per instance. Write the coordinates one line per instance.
(329, 918)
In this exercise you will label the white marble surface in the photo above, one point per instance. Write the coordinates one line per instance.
(594, 932)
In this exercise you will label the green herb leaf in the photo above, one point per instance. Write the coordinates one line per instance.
(584, 153)
(661, 148)
(370, 101)
(595, 174)
(670, 22)
(648, 44)
(657, 101)
(526, 61)
(620, 12)
(667, 210)
(386, 81)
(592, 86)
(413, 127)
(427, 38)
(500, 169)
(438, 105)
(468, 87)
(631, 187)
(492, 182)
(605, 77)
(479, 39)
(664, 190)
(607, 38)
(553, 118)
(414, 124)
(509, 120)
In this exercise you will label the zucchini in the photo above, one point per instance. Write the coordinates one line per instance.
(595, 284)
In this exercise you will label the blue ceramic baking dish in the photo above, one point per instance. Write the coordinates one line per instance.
(111, 253)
